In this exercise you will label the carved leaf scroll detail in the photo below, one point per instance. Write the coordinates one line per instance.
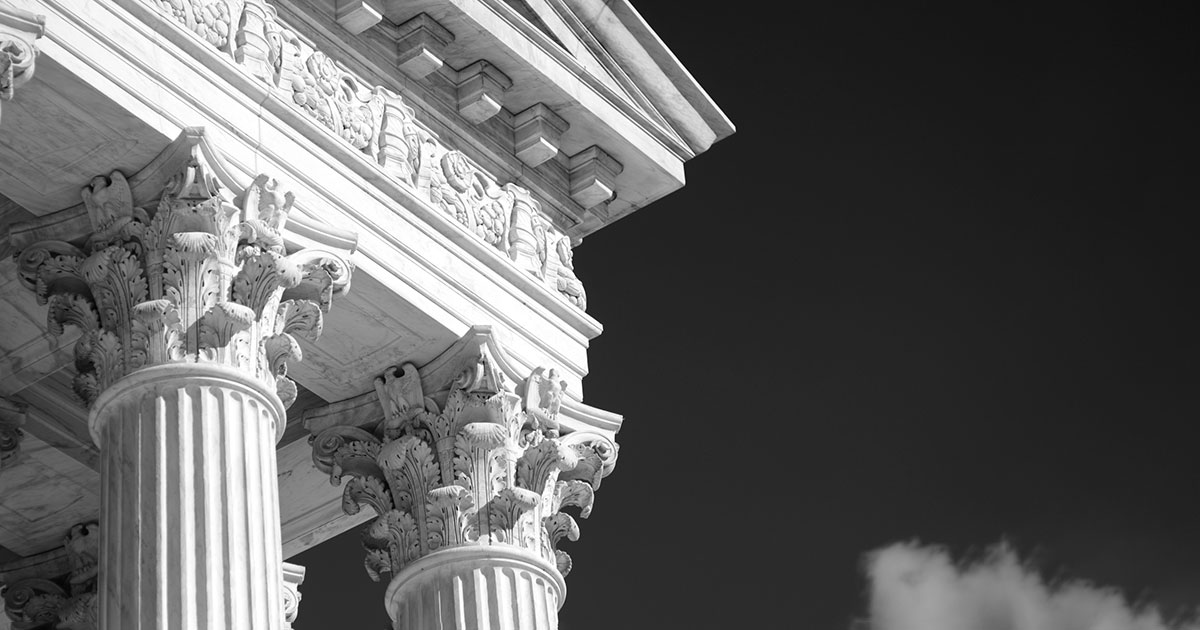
(199, 278)
(488, 466)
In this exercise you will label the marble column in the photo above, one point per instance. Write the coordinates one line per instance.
(474, 481)
(477, 587)
(190, 495)
(188, 313)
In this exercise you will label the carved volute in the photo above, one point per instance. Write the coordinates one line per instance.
(482, 461)
(201, 277)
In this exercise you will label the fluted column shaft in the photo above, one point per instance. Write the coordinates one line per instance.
(495, 587)
(189, 501)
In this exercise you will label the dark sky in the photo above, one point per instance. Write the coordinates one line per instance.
(938, 287)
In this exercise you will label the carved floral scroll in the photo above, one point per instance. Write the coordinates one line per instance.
(200, 278)
(483, 462)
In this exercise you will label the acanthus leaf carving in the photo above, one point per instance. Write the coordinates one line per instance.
(559, 526)
(469, 459)
(200, 278)
(574, 493)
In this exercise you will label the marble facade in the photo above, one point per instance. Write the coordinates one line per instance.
(253, 247)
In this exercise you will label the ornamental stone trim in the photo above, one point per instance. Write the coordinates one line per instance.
(378, 123)
(481, 461)
(200, 279)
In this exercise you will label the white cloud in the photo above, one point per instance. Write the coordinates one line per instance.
(922, 588)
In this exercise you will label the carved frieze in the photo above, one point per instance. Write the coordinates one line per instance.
(18, 54)
(480, 461)
(202, 277)
(378, 123)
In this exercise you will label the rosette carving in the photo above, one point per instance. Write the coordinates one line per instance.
(483, 461)
(201, 277)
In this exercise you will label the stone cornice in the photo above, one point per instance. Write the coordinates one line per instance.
(618, 28)
(457, 453)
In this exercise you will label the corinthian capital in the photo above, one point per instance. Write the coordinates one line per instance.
(200, 274)
(460, 453)
(18, 31)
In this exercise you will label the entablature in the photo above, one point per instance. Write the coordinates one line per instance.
(439, 272)
(541, 55)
